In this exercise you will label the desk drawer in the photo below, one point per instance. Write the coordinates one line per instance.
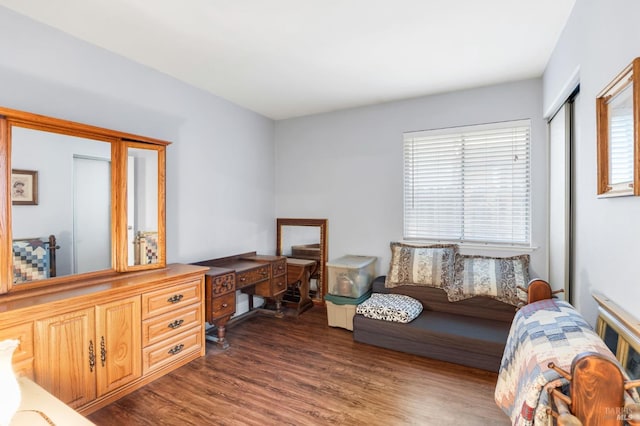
(278, 285)
(159, 328)
(223, 284)
(171, 350)
(279, 267)
(223, 305)
(252, 276)
(273, 287)
(171, 298)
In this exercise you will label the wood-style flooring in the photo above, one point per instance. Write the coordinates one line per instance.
(299, 371)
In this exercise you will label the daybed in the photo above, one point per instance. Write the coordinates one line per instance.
(471, 331)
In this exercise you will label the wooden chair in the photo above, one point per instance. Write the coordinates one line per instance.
(598, 394)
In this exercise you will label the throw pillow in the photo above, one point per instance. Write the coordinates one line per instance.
(428, 265)
(390, 307)
(496, 277)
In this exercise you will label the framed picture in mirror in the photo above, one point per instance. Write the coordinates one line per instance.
(24, 187)
(618, 115)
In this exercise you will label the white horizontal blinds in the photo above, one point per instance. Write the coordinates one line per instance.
(621, 140)
(468, 184)
(433, 187)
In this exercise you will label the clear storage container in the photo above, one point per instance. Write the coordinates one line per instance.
(351, 276)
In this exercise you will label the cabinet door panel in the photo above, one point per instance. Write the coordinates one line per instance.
(118, 344)
(63, 361)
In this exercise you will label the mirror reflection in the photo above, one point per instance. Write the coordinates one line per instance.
(306, 239)
(142, 206)
(621, 137)
(73, 205)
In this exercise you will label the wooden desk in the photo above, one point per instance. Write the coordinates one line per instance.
(250, 273)
(298, 273)
(39, 407)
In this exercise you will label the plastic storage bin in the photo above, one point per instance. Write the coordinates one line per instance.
(341, 310)
(351, 276)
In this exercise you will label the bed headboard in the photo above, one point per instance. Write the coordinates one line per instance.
(34, 259)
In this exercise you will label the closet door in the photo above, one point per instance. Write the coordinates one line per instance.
(560, 200)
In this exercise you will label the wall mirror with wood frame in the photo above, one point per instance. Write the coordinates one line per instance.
(100, 202)
(618, 117)
(306, 239)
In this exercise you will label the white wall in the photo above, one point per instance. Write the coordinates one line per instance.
(220, 170)
(346, 166)
(600, 39)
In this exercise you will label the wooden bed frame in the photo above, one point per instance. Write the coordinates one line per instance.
(597, 387)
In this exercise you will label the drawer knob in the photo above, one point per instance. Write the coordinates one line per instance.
(265, 273)
(176, 349)
(224, 305)
(242, 279)
(280, 284)
(175, 324)
(175, 298)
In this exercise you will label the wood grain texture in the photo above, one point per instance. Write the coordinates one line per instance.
(299, 371)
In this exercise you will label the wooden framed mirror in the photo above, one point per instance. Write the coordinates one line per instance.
(618, 118)
(88, 196)
(306, 239)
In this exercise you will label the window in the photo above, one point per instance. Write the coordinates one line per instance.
(468, 184)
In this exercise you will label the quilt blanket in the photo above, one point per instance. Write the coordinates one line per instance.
(541, 332)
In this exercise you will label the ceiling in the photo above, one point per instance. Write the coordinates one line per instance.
(288, 58)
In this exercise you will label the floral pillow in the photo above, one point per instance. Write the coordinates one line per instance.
(496, 277)
(427, 265)
(390, 307)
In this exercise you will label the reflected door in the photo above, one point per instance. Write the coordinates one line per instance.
(91, 209)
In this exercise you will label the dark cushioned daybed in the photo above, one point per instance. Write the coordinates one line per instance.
(471, 332)
(468, 302)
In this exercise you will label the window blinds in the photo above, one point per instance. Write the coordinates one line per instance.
(621, 147)
(468, 184)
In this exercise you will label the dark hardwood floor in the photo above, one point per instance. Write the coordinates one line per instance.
(302, 372)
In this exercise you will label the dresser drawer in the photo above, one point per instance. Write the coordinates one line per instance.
(24, 333)
(223, 305)
(222, 284)
(252, 276)
(279, 267)
(171, 350)
(171, 298)
(161, 327)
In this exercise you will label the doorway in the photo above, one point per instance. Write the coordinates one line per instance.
(92, 214)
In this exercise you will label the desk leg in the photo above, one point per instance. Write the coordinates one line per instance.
(305, 301)
(278, 299)
(221, 328)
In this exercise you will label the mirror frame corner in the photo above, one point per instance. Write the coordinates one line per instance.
(630, 75)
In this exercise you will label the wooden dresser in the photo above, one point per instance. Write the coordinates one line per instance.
(91, 345)
(251, 273)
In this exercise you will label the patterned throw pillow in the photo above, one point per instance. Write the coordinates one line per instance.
(496, 277)
(430, 265)
(390, 307)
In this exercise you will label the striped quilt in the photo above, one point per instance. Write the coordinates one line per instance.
(541, 332)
